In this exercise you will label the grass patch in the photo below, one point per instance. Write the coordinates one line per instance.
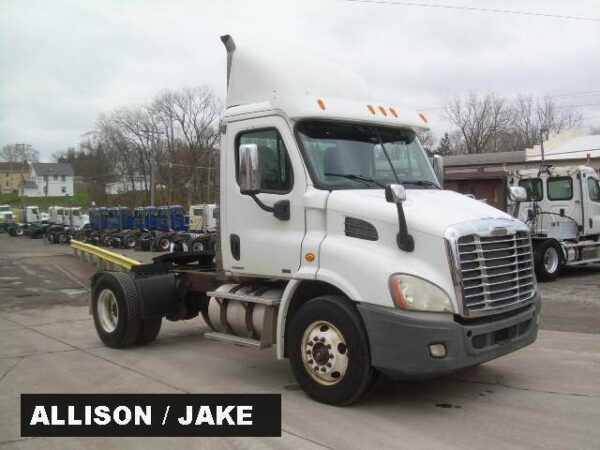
(80, 198)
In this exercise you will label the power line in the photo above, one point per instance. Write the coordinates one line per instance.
(473, 8)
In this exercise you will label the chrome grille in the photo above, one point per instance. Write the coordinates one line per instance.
(497, 271)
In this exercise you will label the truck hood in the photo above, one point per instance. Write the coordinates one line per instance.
(429, 211)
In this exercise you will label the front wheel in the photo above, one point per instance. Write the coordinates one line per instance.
(329, 352)
(549, 260)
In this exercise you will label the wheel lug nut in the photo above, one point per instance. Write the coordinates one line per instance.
(328, 364)
(308, 352)
(310, 361)
(328, 345)
(331, 356)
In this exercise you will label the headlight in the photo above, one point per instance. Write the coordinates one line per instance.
(417, 294)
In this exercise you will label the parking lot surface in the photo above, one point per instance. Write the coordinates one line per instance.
(545, 396)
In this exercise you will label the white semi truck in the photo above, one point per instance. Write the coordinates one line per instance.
(202, 218)
(563, 211)
(336, 244)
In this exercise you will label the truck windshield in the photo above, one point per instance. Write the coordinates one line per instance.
(358, 156)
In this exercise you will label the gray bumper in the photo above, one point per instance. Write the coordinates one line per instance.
(400, 341)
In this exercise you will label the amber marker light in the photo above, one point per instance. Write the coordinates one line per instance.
(370, 107)
(310, 257)
(383, 111)
(321, 104)
(393, 111)
(423, 117)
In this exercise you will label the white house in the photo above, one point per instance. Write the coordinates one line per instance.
(122, 186)
(50, 180)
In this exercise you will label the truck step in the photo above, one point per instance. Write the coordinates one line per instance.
(224, 337)
(245, 298)
(585, 261)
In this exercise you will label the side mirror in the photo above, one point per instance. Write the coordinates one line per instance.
(395, 193)
(438, 168)
(517, 193)
(249, 177)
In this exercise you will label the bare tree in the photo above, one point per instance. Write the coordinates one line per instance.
(174, 137)
(480, 120)
(19, 153)
(427, 139)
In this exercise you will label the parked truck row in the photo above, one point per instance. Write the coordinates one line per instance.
(162, 228)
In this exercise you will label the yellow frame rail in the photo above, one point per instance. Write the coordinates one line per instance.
(101, 258)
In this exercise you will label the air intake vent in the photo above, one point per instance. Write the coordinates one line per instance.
(360, 229)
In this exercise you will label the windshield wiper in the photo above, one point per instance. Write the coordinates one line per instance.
(422, 183)
(352, 176)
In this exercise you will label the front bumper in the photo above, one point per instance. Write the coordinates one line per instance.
(399, 341)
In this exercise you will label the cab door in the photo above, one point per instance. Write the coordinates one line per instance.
(591, 194)
(255, 241)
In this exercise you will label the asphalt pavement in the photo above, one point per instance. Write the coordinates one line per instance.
(545, 396)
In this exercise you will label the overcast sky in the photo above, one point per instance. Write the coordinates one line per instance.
(62, 63)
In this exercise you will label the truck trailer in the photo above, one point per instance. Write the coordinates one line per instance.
(335, 242)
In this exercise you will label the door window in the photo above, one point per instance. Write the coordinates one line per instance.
(275, 167)
(593, 189)
(534, 189)
(560, 188)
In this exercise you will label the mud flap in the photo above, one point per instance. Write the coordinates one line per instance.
(158, 295)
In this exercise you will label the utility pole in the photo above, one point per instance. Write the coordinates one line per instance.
(543, 130)
(152, 182)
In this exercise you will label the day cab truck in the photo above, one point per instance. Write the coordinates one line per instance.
(562, 209)
(26, 219)
(336, 244)
(202, 218)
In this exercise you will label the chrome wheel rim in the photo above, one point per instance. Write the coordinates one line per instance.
(551, 260)
(324, 353)
(197, 247)
(108, 310)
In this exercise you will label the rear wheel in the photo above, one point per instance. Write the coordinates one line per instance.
(197, 245)
(129, 241)
(549, 260)
(329, 352)
(163, 244)
(116, 309)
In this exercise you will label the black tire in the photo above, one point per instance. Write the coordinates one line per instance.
(129, 321)
(129, 241)
(64, 238)
(163, 244)
(359, 376)
(49, 237)
(149, 329)
(197, 245)
(18, 231)
(544, 252)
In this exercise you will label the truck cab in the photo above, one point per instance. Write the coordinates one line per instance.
(202, 217)
(73, 217)
(172, 218)
(336, 243)
(56, 215)
(563, 211)
(119, 218)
